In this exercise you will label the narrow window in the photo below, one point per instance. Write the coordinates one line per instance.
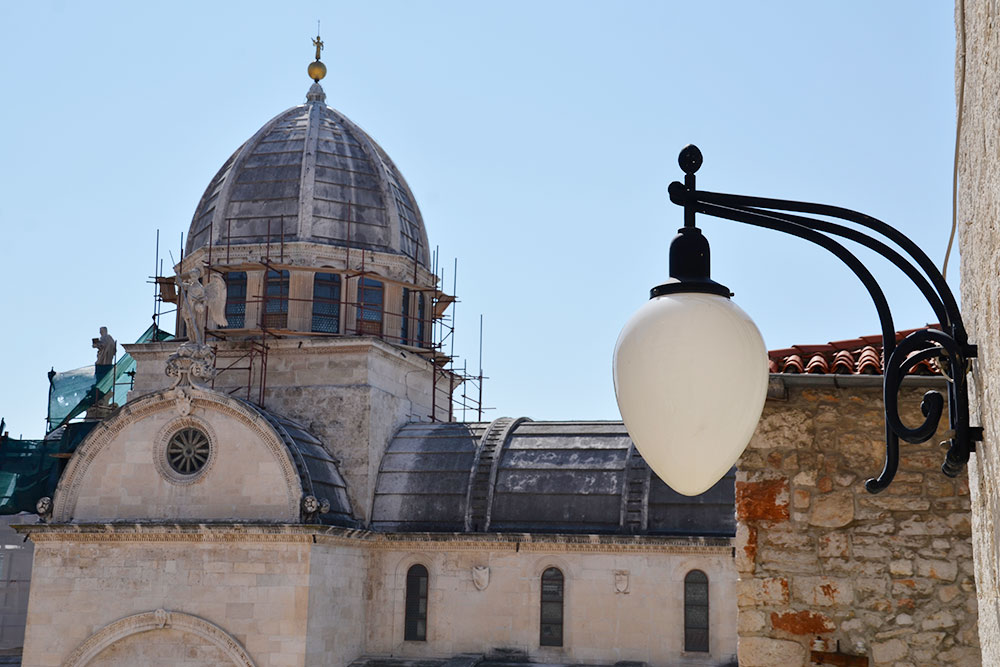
(236, 299)
(696, 611)
(276, 300)
(421, 312)
(370, 307)
(415, 627)
(404, 328)
(326, 303)
(551, 630)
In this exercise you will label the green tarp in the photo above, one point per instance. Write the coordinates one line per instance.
(28, 469)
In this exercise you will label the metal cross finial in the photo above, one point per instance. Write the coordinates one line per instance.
(318, 43)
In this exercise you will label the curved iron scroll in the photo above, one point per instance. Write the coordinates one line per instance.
(949, 347)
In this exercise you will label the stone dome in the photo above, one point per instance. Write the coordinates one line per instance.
(311, 175)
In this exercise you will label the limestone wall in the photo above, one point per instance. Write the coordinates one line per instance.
(889, 575)
(336, 620)
(643, 623)
(15, 577)
(254, 589)
(979, 244)
(352, 393)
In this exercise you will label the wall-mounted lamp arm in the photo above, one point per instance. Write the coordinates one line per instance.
(950, 347)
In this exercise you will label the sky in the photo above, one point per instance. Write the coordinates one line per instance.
(538, 138)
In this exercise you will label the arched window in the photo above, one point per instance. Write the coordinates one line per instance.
(276, 300)
(404, 328)
(415, 626)
(326, 303)
(236, 299)
(421, 316)
(696, 611)
(370, 293)
(551, 626)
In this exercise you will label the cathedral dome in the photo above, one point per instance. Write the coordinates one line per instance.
(311, 175)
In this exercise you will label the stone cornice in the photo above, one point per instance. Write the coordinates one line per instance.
(335, 536)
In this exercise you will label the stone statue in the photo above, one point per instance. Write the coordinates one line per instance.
(106, 348)
(201, 304)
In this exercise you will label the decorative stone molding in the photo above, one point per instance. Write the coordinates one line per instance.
(158, 620)
(163, 440)
(481, 576)
(68, 491)
(44, 508)
(337, 536)
(189, 363)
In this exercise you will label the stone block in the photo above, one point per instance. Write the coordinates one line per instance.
(823, 591)
(767, 652)
(937, 569)
(765, 500)
(751, 592)
(889, 651)
(833, 545)
(832, 510)
(803, 622)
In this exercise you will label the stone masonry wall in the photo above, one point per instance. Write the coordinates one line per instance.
(890, 576)
(978, 46)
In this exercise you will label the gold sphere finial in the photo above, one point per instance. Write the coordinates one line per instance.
(317, 70)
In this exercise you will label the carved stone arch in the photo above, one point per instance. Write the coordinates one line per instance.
(158, 620)
(184, 401)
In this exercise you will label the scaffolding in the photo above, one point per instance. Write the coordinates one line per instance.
(429, 332)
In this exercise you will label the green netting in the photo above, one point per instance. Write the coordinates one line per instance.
(28, 469)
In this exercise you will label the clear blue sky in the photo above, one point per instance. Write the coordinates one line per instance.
(538, 138)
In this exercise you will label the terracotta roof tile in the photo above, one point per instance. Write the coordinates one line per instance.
(855, 356)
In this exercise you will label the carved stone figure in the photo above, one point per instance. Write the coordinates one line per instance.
(190, 363)
(106, 348)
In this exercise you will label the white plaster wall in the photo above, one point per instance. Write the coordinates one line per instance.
(645, 624)
(114, 475)
(257, 591)
(979, 244)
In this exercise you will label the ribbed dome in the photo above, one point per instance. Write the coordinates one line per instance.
(310, 174)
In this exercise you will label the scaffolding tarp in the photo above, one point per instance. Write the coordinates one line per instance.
(30, 469)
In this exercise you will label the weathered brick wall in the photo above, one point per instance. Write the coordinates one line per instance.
(890, 576)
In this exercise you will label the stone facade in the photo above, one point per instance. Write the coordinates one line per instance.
(308, 596)
(978, 46)
(889, 576)
(352, 393)
(15, 577)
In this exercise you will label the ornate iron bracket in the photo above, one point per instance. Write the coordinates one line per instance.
(949, 345)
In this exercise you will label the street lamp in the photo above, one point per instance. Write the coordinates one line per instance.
(690, 367)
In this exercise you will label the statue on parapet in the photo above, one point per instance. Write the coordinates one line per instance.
(202, 304)
(106, 348)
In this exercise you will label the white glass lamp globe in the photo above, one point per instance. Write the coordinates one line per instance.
(690, 372)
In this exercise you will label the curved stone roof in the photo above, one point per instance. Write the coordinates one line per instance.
(310, 174)
(516, 475)
(317, 469)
